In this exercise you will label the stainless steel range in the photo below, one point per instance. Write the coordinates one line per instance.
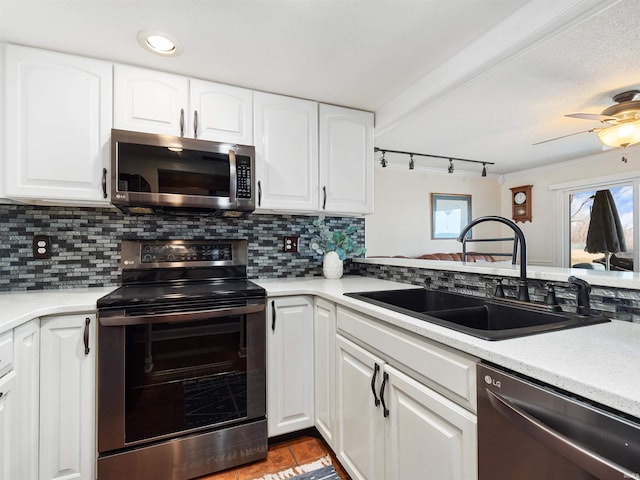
(181, 363)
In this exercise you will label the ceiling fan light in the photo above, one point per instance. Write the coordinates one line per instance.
(621, 135)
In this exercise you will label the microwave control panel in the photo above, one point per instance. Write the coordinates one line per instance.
(243, 169)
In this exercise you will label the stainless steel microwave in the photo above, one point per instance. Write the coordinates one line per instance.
(152, 172)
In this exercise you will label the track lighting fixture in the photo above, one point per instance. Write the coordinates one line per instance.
(412, 163)
(383, 161)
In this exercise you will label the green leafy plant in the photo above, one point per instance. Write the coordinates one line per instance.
(325, 240)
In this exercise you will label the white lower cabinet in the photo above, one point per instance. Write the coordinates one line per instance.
(392, 425)
(26, 429)
(324, 348)
(290, 402)
(8, 451)
(67, 397)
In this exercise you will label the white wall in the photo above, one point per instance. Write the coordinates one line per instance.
(401, 224)
(544, 232)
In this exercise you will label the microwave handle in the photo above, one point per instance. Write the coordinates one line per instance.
(233, 188)
(195, 124)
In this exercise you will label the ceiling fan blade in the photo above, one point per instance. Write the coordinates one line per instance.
(593, 116)
(568, 135)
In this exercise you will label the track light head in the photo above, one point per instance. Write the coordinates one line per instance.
(383, 161)
(450, 169)
(484, 169)
(412, 164)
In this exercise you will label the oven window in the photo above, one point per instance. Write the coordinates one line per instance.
(184, 376)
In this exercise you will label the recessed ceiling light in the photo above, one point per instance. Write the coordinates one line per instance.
(159, 43)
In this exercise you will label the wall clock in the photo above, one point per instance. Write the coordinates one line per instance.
(521, 203)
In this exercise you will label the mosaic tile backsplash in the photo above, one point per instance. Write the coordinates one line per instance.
(86, 243)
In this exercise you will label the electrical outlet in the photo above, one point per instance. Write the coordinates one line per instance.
(41, 246)
(290, 244)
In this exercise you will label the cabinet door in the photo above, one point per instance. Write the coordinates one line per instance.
(360, 421)
(27, 392)
(427, 433)
(221, 113)
(346, 160)
(324, 324)
(286, 141)
(150, 101)
(67, 397)
(8, 450)
(289, 365)
(58, 125)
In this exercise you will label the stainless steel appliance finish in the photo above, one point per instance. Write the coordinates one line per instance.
(530, 431)
(181, 363)
(158, 172)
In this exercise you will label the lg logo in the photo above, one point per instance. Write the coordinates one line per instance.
(490, 381)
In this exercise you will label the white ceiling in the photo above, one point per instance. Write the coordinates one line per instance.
(477, 79)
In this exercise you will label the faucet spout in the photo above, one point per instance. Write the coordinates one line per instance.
(523, 285)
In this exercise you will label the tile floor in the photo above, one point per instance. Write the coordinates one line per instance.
(290, 453)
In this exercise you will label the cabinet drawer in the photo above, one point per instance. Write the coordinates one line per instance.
(6, 352)
(447, 371)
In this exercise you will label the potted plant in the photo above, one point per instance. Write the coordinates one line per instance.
(334, 245)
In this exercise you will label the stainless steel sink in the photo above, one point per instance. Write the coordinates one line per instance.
(490, 319)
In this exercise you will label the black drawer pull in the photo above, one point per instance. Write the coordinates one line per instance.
(87, 321)
(385, 410)
(273, 315)
(376, 369)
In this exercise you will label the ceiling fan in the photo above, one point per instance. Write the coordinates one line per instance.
(621, 120)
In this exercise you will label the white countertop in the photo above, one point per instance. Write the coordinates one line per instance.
(17, 308)
(598, 362)
(629, 280)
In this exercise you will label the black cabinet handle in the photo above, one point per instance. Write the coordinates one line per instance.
(104, 183)
(273, 315)
(376, 369)
(182, 122)
(195, 124)
(259, 192)
(1, 394)
(385, 410)
(87, 321)
(324, 198)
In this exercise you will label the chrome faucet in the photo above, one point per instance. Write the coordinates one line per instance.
(582, 296)
(523, 284)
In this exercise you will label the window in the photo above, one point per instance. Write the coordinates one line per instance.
(581, 203)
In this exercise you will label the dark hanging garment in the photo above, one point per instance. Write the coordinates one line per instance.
(605, 233)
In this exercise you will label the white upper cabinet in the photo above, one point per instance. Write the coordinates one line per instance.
(221, 112)
(286, 141)
(57, 127)
(346, 160)
(157, 102)
(150, 101)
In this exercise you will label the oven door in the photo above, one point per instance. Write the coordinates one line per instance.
(162, 375)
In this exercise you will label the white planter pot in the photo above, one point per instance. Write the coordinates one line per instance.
(332, 265)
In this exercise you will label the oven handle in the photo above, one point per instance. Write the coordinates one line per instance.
(120, 319)
(584, 458)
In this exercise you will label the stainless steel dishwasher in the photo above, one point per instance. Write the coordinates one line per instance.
(530, 431)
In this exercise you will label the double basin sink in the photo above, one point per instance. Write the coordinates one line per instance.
(489, 319)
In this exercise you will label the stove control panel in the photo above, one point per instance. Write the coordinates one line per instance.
(180, 253)
(154, 253)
